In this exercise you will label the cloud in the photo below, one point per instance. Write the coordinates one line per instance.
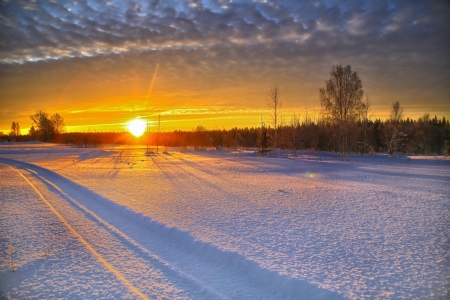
(49, 30)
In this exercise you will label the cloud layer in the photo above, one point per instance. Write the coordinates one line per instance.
(42, 30)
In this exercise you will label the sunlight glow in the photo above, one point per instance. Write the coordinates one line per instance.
(137, 127)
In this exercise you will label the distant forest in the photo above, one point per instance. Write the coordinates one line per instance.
(428, 136)
(344, 125)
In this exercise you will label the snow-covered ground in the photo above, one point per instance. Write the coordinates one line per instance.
(117, 223)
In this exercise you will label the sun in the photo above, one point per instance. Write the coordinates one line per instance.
(137, 127)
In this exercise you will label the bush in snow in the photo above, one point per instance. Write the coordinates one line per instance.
(11, 250)
(48, 247)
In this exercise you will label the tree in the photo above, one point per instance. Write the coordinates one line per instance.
(342, 96)
(341, 100)
(44, 125)
(366, 117)
(15, 129)
(32, 133)
(396, 113)
(47, 127)
(294, 138)
(398, 137)
(58, 125)
(274, 103)
(263, 138)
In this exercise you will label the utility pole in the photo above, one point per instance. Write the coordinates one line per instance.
(147, 137)
(157, 133)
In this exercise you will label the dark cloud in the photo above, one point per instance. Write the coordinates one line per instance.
(52, 30)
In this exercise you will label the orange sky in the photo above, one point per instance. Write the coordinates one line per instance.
(212, 63)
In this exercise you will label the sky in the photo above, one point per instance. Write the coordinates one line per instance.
(100, 63)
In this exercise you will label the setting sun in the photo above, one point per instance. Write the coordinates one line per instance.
(137, 127)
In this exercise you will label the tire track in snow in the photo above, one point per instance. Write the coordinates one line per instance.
(84, 242)
(212, 273)
(198, 288)
(69, 271)
(153, 257)
(193, 287)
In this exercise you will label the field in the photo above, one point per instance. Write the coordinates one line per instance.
(183, 224)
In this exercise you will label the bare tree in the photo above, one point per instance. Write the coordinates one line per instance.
(342, 96)
(274, 103)
(295, 140)
(59, 126)
(341, 100)
(397, 137)
(15, 129)
(43, 125)
(396, 113)
(263, 138)
(47, 127)
(33, 133)
(366, 117)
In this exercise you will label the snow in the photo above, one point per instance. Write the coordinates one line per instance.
(182, 224)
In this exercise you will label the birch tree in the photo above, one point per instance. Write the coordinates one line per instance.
(341, 100)
(274, 103)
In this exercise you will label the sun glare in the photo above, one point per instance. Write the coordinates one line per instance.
(137, 127)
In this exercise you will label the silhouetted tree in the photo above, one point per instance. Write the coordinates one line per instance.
(44, 125)
(47, 127)
(341, 100)
(396, 114)
(274, 103)
(58, 125)
(32, 133)
(15, 129)
(263, 138)
(294, 136)
(397, 137)
(365, 123)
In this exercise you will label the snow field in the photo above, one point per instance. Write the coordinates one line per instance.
(372, 227)
(28, 224)
(203, 271)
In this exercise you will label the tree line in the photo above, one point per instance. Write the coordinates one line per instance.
(426, 136)
(344, 125)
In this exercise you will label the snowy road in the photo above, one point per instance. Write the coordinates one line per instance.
(218, 225)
